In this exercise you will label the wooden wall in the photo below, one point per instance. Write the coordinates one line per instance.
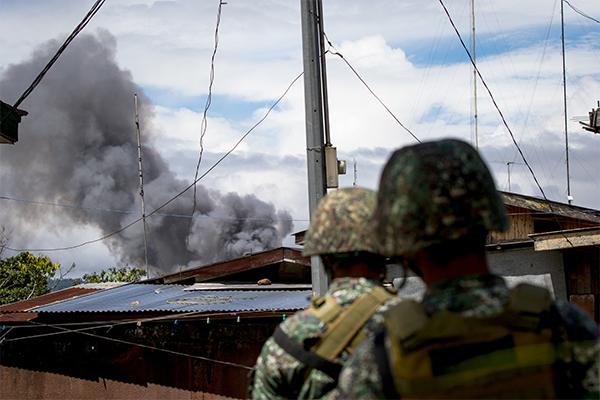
(524, 222)
(581, 274)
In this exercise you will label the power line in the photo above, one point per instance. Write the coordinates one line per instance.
(62, 48)
(578, 11)
(155, 214)
(63, 330)
(66, 330)
(493, 99)
(204, 123)
(501, 115)
(337, 53)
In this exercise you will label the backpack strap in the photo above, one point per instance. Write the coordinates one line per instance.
(383, 365)
(309, 358)
(345, 328)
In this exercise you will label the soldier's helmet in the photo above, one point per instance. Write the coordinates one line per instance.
(342, 223)
(433, 192)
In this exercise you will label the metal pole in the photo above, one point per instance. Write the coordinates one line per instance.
(137, 128)
(562, 15)
(315, 125)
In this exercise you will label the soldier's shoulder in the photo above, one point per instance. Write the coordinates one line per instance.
(304, 324)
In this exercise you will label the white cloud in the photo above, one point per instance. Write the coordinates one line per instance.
(408, 54)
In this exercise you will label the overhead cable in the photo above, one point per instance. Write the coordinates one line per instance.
(493, 100)
(62, 48)
(155, 214)
(578, 11)
(337, 53)
(502, 117)
(204, 124)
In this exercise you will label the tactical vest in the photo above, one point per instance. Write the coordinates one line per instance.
(508, 355)
(343, 331)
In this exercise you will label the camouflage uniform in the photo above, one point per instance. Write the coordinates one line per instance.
(436, 192)
(481, 296)
(280, 375)
(341, 226)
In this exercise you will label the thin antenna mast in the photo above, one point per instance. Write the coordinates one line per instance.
(474, 77)
(137, 126)
(354, 183)
(508, 167)
(562, 16)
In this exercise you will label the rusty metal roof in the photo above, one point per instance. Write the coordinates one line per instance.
(49, 298)
(141, 298)
(285, 258)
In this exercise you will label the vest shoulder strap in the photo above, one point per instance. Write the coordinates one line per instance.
(326, 309)
(345, 328)
(309, 358)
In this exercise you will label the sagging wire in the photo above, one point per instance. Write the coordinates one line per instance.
(147, 346)
(337, 53)
(203, 126)
(158, 215)
(578, 11)
(63, 330)
(155, 212)
(502, 117)
(61, 49)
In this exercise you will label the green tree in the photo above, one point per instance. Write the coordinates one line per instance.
(124, 274)
(25, 276)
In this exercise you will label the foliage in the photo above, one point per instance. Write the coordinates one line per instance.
(124, 274)
(25, 276)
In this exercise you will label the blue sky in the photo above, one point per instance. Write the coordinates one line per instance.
(406, 51)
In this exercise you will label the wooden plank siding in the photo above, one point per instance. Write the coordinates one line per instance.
(581, 273)
(520, 222)
(524, 222)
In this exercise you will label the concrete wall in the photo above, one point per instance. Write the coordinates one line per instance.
(542, 268)
(26, 384)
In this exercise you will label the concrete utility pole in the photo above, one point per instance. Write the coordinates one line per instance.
(316, 120)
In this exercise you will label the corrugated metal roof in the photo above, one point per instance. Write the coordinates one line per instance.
(136, 297)
(245, 286)
(542, 206)
(49, 298)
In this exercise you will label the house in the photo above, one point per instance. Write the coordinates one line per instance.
(193, 334)
(555, 242)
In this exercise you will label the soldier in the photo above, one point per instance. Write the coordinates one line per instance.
(304, 356)
(470, 336)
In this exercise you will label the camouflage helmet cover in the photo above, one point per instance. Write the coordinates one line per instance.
(433, 192)
(342, 223)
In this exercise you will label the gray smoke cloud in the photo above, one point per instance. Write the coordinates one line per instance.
(78, 147)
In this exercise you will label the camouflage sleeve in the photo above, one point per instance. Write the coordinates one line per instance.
(274, 372)
(360, 376)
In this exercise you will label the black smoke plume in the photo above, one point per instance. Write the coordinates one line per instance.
(78, 147)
